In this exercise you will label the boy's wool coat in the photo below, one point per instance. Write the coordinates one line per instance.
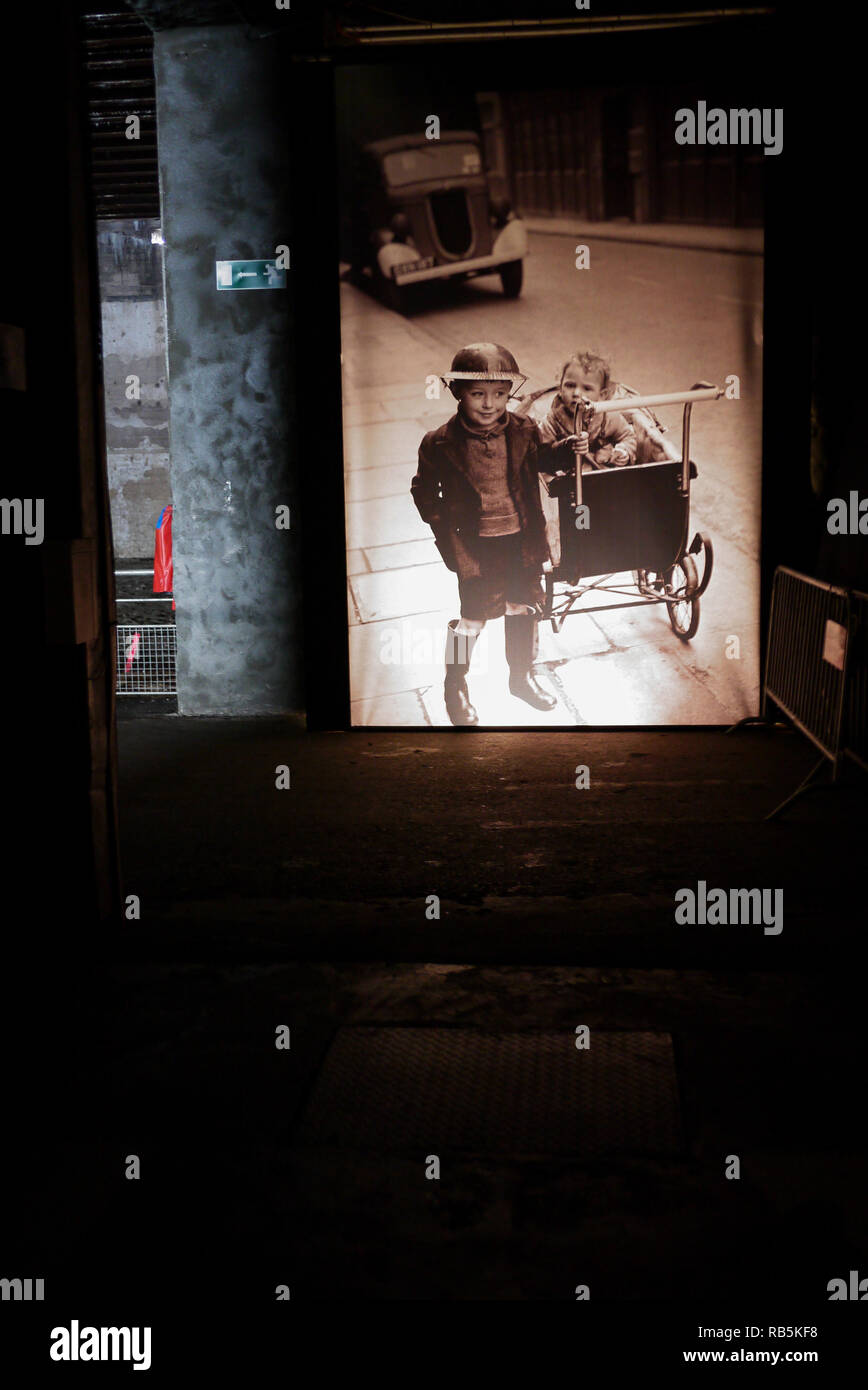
(451, 506)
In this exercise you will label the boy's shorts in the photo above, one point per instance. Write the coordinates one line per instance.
(503, 579)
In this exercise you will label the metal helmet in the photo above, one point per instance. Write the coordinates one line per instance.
(485, 362)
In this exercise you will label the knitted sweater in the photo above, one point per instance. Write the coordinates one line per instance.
(485, 454)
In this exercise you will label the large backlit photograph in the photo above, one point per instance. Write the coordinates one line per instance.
(551, 321)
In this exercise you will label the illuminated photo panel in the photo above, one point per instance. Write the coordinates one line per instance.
(546, 293)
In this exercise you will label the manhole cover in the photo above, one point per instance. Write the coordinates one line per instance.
(439, 1089)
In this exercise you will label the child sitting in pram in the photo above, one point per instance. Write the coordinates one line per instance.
(610, 441)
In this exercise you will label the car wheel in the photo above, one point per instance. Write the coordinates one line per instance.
(511, 276)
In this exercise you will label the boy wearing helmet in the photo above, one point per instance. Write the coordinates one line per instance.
(477, 487)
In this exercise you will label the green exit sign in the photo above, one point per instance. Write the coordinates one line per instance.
(250, 275)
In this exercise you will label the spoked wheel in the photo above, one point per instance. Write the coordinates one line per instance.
(681, 582)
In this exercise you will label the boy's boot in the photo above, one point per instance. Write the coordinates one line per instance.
(459, 649)
(521, 646)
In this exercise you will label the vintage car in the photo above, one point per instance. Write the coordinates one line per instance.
(422, 210)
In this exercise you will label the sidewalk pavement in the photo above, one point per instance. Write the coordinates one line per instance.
(394, 569)
(743, 241)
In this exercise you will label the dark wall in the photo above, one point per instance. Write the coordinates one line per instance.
(833, 281)
(59, 870)
(57, 594)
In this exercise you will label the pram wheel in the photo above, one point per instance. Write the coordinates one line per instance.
(682, 581)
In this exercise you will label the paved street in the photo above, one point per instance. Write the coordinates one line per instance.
(666, 317)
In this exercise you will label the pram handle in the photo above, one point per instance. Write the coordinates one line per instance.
(699, 391)
(624, 404)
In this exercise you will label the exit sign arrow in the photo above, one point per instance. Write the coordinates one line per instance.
(250, 275)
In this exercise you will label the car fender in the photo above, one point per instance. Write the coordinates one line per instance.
(395, 253)
(511, 241)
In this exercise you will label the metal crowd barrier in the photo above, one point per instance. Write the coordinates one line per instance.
(856, 706)
(810, 674)
(122, 574)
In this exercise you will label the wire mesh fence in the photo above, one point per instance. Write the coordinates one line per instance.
(145, 651)
(145, 659)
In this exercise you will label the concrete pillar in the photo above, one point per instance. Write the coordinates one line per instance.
(224, 176)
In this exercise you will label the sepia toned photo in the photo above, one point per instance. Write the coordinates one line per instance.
(551, 320)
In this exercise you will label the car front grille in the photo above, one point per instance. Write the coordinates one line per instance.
(452, 221)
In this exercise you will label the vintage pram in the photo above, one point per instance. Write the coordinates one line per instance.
(639, 516)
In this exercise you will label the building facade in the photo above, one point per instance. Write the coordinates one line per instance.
(609, 153)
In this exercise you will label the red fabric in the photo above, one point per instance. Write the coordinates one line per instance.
(163, 568)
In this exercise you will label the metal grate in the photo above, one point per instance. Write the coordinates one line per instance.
(856, 712)
(808, 687)
(145, 659)
(439, 1090)
(816, 670)
(118, 62)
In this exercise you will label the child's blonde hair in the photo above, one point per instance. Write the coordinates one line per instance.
(588, 362)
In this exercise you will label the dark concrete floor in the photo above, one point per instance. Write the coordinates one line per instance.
(768, 1068)
(307, 907)
(527, 868)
